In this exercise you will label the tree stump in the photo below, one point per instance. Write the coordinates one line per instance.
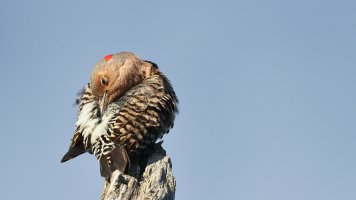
(155, 183)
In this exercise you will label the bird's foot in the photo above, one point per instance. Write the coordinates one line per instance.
(114, 179)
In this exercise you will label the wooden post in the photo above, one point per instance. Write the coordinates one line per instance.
(156, 183)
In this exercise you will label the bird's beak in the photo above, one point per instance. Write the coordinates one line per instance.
(103, 102)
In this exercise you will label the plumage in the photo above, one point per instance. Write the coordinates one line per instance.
(127, 106)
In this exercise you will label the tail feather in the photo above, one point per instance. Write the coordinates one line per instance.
(117, 159)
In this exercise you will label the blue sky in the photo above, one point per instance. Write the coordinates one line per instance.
(266, 88)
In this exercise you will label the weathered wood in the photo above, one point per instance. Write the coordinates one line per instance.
(156, 182)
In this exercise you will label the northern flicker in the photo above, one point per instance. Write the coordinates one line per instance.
(127, 106)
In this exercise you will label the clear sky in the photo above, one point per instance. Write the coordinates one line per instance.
(266, 88)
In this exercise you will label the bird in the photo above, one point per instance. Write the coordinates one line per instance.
(127, 106)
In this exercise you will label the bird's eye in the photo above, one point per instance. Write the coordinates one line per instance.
(104, 81)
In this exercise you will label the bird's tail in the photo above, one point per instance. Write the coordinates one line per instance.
(117, 159)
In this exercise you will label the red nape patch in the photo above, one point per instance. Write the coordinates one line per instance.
(108, 57)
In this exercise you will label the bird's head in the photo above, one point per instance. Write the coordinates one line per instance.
(115, 74)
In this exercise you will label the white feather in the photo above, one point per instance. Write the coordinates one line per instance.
(87, 121)
(101, 128)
